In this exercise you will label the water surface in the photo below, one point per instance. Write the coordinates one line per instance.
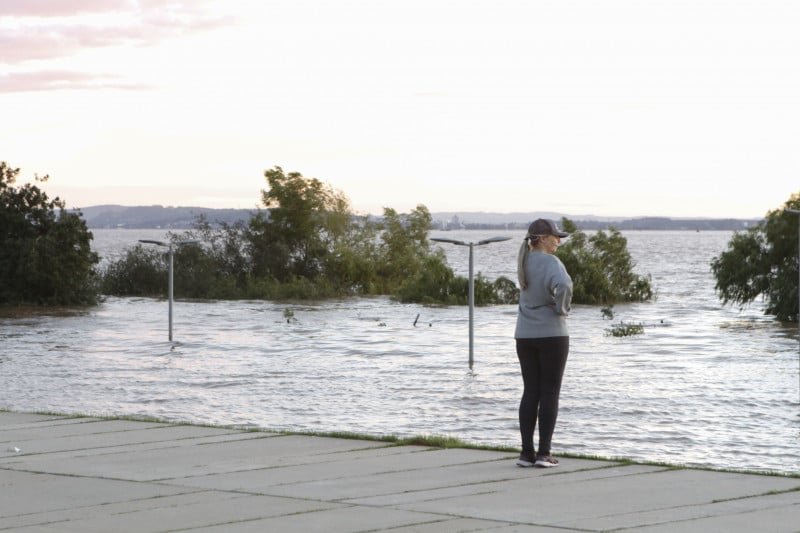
(705, 384)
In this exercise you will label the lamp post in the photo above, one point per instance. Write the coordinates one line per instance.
(170, 284)
(471, 296)
(797, 212)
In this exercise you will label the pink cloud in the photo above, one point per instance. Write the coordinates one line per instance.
(49, 80)
(63, 34)
(59, 8)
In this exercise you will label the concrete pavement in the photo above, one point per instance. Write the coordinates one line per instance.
(60, 473)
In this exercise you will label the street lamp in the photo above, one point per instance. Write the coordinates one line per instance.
(797, 212)
(471, 298)
(171, 251)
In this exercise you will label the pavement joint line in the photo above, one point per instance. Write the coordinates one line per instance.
(296, 513)
(103, 504)
(475, 483)
(102, 478)
(450, 516)
(429, 522)
(156, 497)
(295, 465)
(703, 504)
(703, 517)
(412, 491)
(775, 492)
(111, 447)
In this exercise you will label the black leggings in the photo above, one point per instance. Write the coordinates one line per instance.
(542, 362)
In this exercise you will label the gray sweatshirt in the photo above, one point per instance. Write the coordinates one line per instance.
(545, 303)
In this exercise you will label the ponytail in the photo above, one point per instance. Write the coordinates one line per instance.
(522, 258)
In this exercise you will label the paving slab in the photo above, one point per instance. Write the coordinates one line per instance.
(699, 517)
(41, 443)
(53, 460)
(339, 467)
(85, 427)
(346, 519)
(9, 420)
(28, 492)
(453, 525)
(332, 466)
(211, 511)
(188, 461)
(689, 513)
(16, 521)
(520, 483)
(582, 502)
(778, 519)
(95, 475)
(498, 468)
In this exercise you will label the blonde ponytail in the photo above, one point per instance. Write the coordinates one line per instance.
(522, 258)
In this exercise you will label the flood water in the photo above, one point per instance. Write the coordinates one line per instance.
(705, 385)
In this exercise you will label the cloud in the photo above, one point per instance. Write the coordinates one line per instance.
(59, 8)
(49, 80)
(40, 29)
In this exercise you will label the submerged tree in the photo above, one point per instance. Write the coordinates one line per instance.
(601, 268)
(306, 244)
(45, 253)
(304, 221)
(763, 261)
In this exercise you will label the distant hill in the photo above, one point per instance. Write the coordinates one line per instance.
(157, 216)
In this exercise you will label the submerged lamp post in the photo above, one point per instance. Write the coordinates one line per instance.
(170, 253)
(471, 297)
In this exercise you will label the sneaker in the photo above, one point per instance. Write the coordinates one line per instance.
(526, 459)
(545, 461)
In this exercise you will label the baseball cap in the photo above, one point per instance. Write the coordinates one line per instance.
(544, 226)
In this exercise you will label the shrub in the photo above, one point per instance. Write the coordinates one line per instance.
(763, 261)
(140, 272)
(45, 253)
(601, 268)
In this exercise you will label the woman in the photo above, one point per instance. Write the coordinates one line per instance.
(541, 336)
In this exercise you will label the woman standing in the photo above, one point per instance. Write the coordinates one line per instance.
(541, 336)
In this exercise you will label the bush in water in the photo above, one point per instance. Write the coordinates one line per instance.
(601, 268)
(45, 253)
(310, 245)
(763, 260)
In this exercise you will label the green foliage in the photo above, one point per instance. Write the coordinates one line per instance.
(308, 245)
(433, 282)
(624, 329)
(306, 219)
(763, 261)
(601, 268)
(141, 272)
(45, 253)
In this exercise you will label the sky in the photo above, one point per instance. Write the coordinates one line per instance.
(680, 108)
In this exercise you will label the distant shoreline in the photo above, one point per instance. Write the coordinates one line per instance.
(183, 218)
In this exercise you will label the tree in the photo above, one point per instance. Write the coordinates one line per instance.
(601, 268)
(763, 261)
(305, 220)
(45, 252)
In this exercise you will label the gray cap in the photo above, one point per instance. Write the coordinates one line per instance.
(543, 226)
